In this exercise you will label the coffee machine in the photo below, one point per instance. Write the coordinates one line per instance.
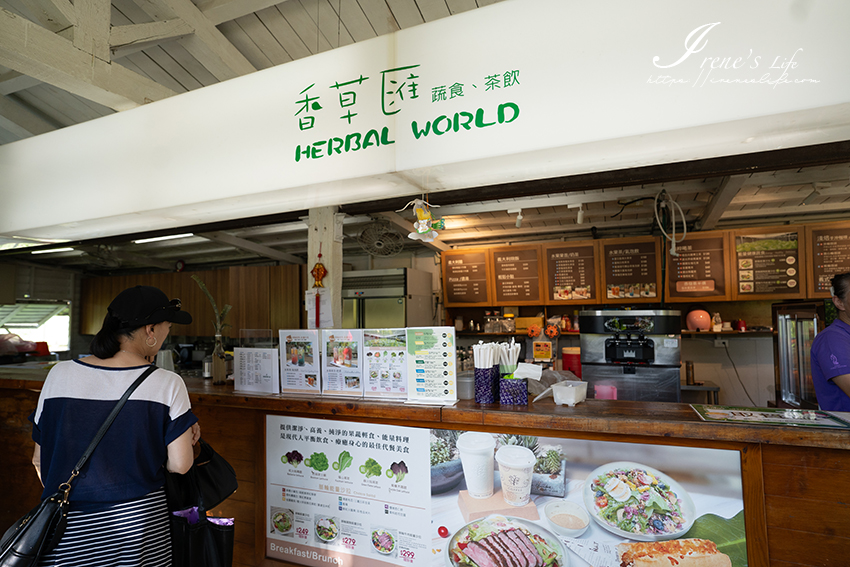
(631, 354)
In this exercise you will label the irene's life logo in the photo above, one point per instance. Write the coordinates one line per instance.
(713, 66)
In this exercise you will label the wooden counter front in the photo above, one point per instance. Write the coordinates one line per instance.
(790, 518)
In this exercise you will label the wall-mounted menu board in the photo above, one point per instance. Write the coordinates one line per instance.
(517, 275)
(465, 277)
(829, 254)
(769, 263)
(701, 269)
(571, 272)
(631, 271)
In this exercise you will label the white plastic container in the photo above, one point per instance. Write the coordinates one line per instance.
(476, 456)
(516, 465)
(466, 386)
(569, 393)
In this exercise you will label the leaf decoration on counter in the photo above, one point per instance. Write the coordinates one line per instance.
(729, 535)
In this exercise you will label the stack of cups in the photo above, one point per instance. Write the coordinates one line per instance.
(516, 465)
(476, 457)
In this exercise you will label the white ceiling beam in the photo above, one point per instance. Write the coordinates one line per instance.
(576, 198)
(207, 44)
(124, 40)
(249, 246)
(54, 15)
(18, 120)
(220, 11)
(787, 211)
(727, 190)
(12, 82)
(781, 196)
(32, 50)
(125, 256)
(91, 30)
(407, 227)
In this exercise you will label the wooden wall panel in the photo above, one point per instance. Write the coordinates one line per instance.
(20, 490)
(807, 549)
(286, 296)
(249, 295)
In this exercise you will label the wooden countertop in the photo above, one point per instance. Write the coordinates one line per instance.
(591, 419)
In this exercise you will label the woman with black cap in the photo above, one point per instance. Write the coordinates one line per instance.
(118, 510)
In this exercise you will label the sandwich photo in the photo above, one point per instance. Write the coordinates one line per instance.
(678, 552)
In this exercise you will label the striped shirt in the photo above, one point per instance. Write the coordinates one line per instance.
(129, 461)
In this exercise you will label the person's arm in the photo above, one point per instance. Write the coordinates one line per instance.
(36, 462)
(180, 455)
(843, 382)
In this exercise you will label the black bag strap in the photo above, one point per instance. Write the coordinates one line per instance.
(103, 428)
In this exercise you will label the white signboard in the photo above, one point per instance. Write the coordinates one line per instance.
(431, 364)
(340, 493)
(300, 367)
(256, 370)
(385, 371)
(342, 362)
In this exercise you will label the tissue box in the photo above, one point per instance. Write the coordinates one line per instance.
(523, 323)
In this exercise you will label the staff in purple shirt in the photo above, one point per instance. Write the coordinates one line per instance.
(831, 352)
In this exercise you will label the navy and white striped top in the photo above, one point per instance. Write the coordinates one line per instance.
(129, 461)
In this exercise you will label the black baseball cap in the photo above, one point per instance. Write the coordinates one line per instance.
(146, 305)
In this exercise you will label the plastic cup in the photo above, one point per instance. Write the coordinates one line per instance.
(569, 393)
(476, 457)
(515, 467)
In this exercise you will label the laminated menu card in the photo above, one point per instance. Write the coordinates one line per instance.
(432, 373)
(300, 368)
(385, 363)
(256, 370)
(342, 363)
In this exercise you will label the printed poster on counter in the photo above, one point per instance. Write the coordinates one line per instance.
(256, 370)
(385, 363)
(342, 364)
(431, 370)
(341, 493)
(300, 369)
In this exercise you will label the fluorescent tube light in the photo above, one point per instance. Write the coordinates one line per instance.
(52, 251)
(158, 238)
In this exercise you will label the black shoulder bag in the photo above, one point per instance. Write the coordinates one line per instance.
(38, 532)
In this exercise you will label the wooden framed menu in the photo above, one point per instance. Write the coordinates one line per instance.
(465, 277)
(631, 270)
(517, 273)
(701, 271)
(571, 272)
(828, 254)
(769, 263)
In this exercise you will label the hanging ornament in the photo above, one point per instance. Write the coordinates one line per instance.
(318, 272)
(424, 223)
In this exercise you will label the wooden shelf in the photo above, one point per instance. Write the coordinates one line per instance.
(477, 334)
(741, 333)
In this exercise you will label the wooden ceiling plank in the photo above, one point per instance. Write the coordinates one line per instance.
(382, 14)
(38, 99)
(482, 3)
(35, 51)
(354, 20)
(786, 211)
(458, 6)
(91, 28)
(155, 72)
(304, 25)
(208, 45)
(283, 33)
(176, 71)
(263, 39)
(330, 24)
(249, 246)
(79, 109)
(19, 120)
(727, 191)
(12, 82)
(53, 15)
(129, 35)
(433, 9)
(237, 36)
(407, 227)
(220, 11)
(192, 65)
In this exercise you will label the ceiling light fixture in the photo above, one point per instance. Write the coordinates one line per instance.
(52, 251)
(159, 238)
(580, 214)
(519, 216)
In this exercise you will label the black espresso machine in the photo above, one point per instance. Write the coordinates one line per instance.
(631, 354)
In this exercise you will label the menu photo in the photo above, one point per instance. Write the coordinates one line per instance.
(431, 369)
(768, 263)
(385, 373)
(300, 369)
(342, 364)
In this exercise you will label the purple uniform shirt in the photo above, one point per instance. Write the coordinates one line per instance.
(831, 358)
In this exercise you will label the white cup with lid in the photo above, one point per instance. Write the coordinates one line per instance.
(476, 457)
(515, 467)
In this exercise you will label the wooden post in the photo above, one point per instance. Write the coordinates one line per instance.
(325, 229)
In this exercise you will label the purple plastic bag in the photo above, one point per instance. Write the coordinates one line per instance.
(513, 391)
(484, 386)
